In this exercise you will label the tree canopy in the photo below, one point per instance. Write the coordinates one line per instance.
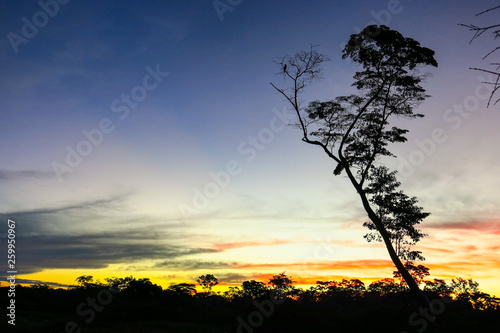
(207, 282)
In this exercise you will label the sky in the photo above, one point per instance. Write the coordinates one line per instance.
(143, 138)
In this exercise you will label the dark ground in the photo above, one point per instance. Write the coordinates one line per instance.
(73, 311)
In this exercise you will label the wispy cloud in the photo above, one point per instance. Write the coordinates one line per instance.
(90, 251)
(489, 226)
(190, 264)
(327, 265)
(232, 278)
(237, 245)
(30, 282)
(91, 235)
(19, 174)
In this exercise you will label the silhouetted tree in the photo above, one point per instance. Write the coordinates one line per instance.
(40, 286)
(495, 31)
(355, 130)
(282, 284)
(84, 280)
(87, 282)
(329, 287)
(254, 289)
(463, 286)
(483, 301)
(182, 289)
(353, 287)
(384, 287)
(467, 291)
(464, 289)
(119, 283)
(207, 282)
(438, 286)
(281, 281)
(132, 286)
(233, 293)
(142, 287)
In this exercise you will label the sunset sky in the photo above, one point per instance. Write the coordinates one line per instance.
(143, 138)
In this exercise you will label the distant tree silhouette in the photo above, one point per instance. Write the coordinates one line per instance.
(87, 282)
(132, 286)
(233, 293)
(182, 289)
(355, 130)
(384, 287)
(40, 286)
(207, 282)
(467, 291)
(327, 307)
(463, 289)
(84, 280)
(281, 281)
(439, 287)
(142, 287)
(282, 286)
(351, 288)
(254, 289)
(119, 283)
(495, 31)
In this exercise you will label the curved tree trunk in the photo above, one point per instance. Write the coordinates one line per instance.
(419, 295)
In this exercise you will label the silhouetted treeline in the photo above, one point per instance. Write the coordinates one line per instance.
(138, 305)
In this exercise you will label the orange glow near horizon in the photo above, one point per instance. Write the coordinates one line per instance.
(367, 272)
(451, 250)
(466, 250)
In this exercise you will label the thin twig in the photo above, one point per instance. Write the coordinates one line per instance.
(487, 10)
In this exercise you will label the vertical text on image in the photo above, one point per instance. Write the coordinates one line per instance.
(11, 273)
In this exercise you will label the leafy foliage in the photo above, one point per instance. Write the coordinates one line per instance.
(351, 288)
(385, 287)
(355, 128)
(207, 282)
(438, 287)
(418, 272)
(398, 212)
(182, 289)
(254, 289)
